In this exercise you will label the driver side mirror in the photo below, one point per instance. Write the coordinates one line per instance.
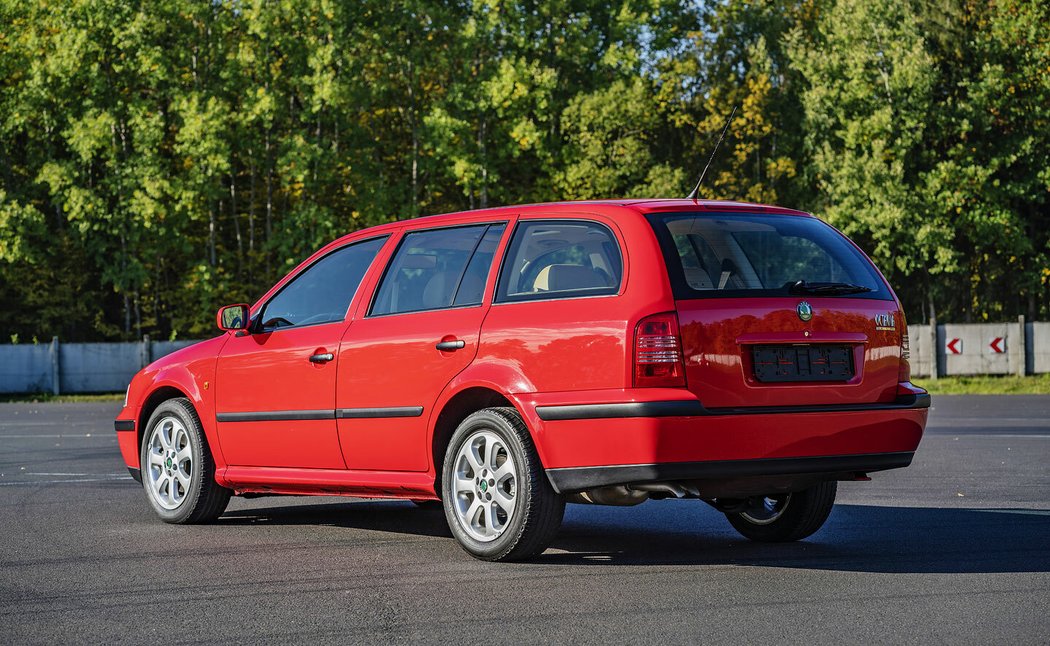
(233, 317)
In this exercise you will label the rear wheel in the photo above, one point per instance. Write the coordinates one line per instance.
(497, 499)
(178, 472)
(781, 518)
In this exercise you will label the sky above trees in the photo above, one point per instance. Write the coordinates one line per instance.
(159, 159)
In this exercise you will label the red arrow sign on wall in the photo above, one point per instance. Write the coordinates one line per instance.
(997, 345)
(954, 346)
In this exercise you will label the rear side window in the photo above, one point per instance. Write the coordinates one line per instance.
(437, 269)
(740, 255)
(322, 292)
(560, 259)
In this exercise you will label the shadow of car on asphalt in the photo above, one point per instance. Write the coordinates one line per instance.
(856, 538)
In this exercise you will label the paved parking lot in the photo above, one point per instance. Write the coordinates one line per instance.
(955, 549)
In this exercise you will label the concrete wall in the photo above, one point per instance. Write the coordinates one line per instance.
(77, 367)
(25, 368)
(1038, 357)
(921, 344)
(108, 367)
(971, 349)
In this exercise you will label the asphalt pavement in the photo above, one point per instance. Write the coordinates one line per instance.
(954, 549)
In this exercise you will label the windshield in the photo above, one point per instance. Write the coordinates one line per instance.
(742, 255)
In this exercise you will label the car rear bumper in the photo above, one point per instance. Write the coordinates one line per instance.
(589, 445)
(571, 479)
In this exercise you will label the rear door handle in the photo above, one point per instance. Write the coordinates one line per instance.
(321, 358)
(450, 346)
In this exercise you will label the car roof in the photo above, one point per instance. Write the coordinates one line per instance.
(605, 207)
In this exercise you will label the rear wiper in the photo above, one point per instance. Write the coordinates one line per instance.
(828, 289)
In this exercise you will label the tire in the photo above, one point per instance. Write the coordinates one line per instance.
(178, 472)
(781, 518)
(511, 513)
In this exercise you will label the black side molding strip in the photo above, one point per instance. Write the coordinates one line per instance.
(275, 416)
(342, 413)
(124, 425)
(136, 474)
(373, 413)
(583, 478)
(684, 408)
(693, 408)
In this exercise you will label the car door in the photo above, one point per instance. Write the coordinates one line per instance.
(275, 385)
(420, 330)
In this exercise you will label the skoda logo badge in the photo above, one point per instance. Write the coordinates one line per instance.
(805, 312)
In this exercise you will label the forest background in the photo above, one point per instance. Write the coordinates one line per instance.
(161, 158)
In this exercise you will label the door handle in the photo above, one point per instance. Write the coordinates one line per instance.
(322, 358)
(451, 346)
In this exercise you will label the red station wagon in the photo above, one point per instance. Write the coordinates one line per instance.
(510, 360)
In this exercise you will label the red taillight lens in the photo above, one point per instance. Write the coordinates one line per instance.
(657, 353)
(904, 372)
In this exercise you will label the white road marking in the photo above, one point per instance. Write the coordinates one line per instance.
(34, 483)
(1030, 512)
(29, 437)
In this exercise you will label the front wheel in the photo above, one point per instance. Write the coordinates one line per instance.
(781, 518)
(497, 499)
(178, 471)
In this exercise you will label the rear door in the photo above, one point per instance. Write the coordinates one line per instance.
(779, 310)
(420, 330)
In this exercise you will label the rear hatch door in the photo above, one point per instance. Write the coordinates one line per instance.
(779, 310)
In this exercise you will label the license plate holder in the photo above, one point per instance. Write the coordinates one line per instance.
(816, 362)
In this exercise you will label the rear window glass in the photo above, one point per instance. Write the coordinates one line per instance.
(734, 255)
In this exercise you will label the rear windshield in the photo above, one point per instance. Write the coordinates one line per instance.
(728, 255)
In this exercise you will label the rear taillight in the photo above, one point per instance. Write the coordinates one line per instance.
(657, 353)
(904, 372)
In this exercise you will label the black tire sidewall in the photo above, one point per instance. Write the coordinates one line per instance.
(181, 410)
(505, 543)
(805, 514)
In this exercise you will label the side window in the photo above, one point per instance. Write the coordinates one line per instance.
(428, 270)
(560, 259)
(472, 287)
(323, 291)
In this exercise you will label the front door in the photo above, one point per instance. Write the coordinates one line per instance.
(421, 330)
(275, 387)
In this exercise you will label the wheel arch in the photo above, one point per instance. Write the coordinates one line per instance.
(157, 396)
(455, 406)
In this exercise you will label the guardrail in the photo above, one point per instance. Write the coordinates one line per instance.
(957, 348)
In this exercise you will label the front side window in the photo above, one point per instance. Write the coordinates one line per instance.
(740, 255)
(560, 259)
(437, 269)
(323, 291)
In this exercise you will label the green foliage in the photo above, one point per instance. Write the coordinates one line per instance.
(158, 159)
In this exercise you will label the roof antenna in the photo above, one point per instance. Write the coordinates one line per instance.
(696, 189)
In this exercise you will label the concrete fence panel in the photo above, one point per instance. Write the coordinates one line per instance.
(1039, 347)
(981, 348)
(921, 346)
(159, 349)
(98, 367)
(77, 367)
(25, 368)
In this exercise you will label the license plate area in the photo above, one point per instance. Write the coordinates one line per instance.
(818, 362)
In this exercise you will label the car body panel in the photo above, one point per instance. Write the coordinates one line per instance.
(539, 355)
